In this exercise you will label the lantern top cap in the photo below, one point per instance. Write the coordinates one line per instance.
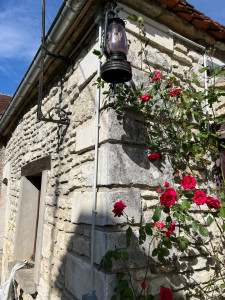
(116, 20)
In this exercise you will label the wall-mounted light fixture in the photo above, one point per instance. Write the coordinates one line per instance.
(116, 69)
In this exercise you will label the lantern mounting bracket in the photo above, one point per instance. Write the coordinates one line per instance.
(57, 111)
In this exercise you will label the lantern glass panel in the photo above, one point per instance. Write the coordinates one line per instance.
(116, 38)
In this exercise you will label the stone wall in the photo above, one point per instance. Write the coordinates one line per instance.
(124, 173)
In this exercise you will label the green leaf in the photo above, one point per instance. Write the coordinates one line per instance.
(203, 69)
(155, 252)
(127, 294)
(107, 263)
(140, 20)
(114, 297)
(185, 204)
(148, 229)
(194, 225)
(128, 235)
(203, 231)
(166, 210)
(222, 212)
(182, 246)
(176, 214)
(182, 218)
(142, 235)
(134, 18)
(120, 276)
(223, 226)
(153, 270)
(125, 255)
(123, 284)
(189, 218)
(209, 220)
(96, 52)
(157, 214)
(167, 243)
(150, 297)
(161, 257)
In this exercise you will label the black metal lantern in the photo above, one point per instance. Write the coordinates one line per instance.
(116, 69)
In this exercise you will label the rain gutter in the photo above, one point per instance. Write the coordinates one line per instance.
(66, 16)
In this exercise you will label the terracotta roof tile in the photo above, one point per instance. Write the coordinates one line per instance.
(187, 11)
(4, 101)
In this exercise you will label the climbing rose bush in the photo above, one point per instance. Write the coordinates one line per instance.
(176, 125)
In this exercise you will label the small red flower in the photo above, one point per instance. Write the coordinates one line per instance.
(168, 197)
(176, 174)
(199, 198)
(153, 157)
(161, 225)
(167, 184)
(143, 284)
(158, 191)
(188, 182)
(185, 72)
(157, 76)
(169, 84)
(118, 208)
(166, 294)
(212, 203)
(145, 98)
(170, 230)
(175, 93)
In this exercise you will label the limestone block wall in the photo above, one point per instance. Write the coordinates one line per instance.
(124, 173)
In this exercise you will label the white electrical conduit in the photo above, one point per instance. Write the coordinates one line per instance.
(94, 202)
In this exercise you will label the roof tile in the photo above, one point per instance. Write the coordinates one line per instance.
(4, 101)
(187, 11)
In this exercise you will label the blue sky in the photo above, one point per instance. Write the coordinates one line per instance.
(20, 27)
(20, 37)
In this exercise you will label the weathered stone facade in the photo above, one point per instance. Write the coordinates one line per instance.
(62, 260)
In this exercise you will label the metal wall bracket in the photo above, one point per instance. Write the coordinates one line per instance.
(61, 113)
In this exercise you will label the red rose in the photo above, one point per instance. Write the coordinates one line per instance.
(169, 84)
(167, 184)
(168, 197)
(212, 203)
(158, 191)
(166, 294)
(175, 93)
(170, 230)
(118, 208)
(153, 157)
(145, 98)
(185, 72)
(199, 198)
(161, 225)
(143, 284)
(188, 182)
(157, 76)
